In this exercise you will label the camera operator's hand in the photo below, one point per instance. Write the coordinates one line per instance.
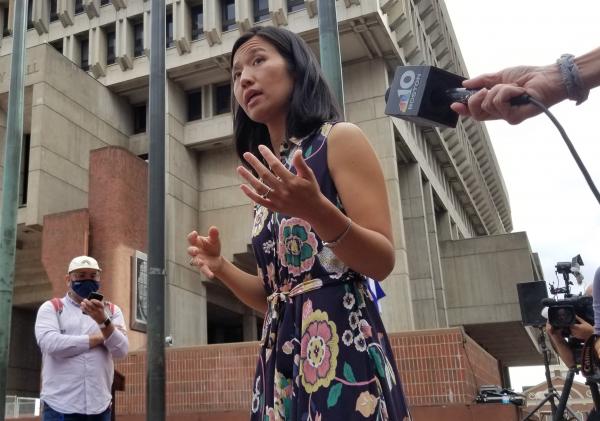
(560, 345)
(582, 330)
(553, 332)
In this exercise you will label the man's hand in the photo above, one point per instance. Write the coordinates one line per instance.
(94, 309)
(582, 330)
(554, 333)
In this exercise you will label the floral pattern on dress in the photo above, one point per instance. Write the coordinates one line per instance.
(297, 245)
(318, 351)
(260, 217)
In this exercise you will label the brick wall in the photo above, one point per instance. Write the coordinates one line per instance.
(442, 366)
(438, 367)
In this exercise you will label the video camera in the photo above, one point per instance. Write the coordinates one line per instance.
(561, 313)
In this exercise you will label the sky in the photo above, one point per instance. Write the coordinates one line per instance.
(549, 197)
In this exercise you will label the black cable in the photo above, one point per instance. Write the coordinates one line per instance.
(584, 171)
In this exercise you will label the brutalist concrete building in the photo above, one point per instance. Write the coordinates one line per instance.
(87, 67)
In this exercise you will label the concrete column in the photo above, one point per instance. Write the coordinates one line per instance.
(41, 16)
(124, 43)
(417, 245)
(66, 10)
(182, 26)
(278, 9)
(212, 21)
(119, 4)
(147, 32)
(311, 8)
(71, 49)
(244, 15)
(436, 263)
(10, 15)
(249, 327)
(92, 8)
(97, 45)
(208, 103)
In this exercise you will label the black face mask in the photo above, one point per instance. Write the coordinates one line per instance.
(83, 287)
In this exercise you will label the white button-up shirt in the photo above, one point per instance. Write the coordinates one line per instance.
(75, 377)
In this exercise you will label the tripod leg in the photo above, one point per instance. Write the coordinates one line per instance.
(595, 394)
(562, 402)
(550, 397)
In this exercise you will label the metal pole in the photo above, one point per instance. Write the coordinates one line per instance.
(10, 190)
(155, 378)
(329, 43)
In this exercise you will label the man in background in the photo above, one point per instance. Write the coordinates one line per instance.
(79, 335)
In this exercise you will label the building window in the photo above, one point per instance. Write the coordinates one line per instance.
(294, 5)
(110, 46)
(78, 6)
(84, 50)
(29, 14)
(58, 45)
(194, 104)
(228, 15)
(24, 171)
(139, 118)
(53, 10)
(222, 99)
(169, 31)
(197, 21)
(138, 39)
(5, 31)
(261, 10)
(104, 3)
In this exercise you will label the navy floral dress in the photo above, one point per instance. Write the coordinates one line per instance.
(324, 353)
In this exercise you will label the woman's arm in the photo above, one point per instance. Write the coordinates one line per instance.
(368, 245)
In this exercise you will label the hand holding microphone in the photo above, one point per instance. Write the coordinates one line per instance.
(492, 101)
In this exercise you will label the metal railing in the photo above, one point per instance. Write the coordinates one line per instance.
(17, 407)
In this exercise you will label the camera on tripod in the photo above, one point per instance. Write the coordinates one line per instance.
(562, 312)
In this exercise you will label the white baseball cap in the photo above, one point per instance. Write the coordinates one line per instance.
(83, 262)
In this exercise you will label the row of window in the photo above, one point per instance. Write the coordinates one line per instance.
(138, 39)
(221, 103)
(261, 13)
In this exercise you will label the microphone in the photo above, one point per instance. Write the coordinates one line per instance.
(423, 94)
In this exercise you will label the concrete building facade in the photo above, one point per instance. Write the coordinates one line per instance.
(87, 89)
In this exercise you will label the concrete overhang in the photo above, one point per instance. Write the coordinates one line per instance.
(480, 284)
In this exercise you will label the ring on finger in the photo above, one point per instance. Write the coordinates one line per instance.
(266, 194)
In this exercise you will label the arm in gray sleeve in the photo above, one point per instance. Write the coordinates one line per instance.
(117, 343)
(596, 293)
(49, 338)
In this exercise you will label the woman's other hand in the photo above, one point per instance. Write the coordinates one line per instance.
(205, 252)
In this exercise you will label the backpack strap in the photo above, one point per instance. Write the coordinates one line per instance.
(111, 307)
(57, 304)
(58, 308)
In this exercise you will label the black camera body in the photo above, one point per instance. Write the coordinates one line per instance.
(561, 313)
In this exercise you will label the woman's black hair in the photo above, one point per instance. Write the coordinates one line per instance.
(312, 101)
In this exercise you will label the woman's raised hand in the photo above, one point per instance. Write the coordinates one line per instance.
(205, 252)
(279, 189)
